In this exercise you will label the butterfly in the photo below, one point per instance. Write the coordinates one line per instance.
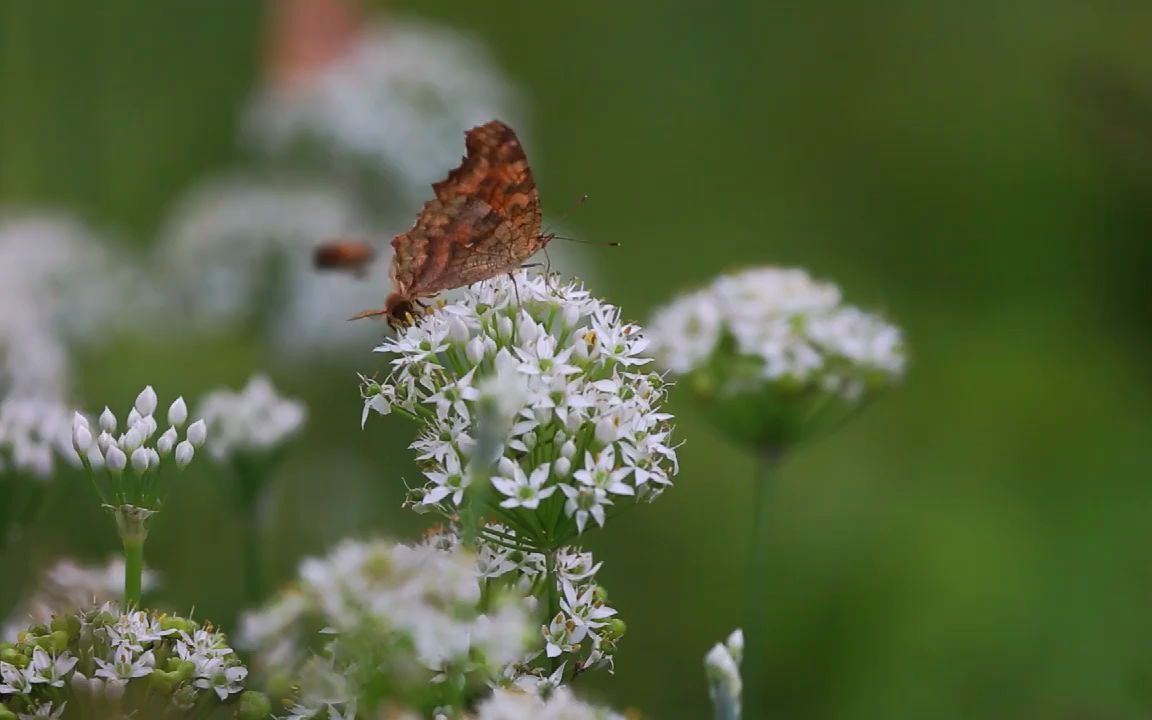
(483, 222)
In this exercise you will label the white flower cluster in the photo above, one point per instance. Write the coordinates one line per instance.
(90, 660)
(68, 585)
(416, 611)
(396, 102)
(583, 633)
(240, 247)
(34, 434)
(57, 284)
(574, 420)
(131, 447)
(255, 420)
(772, 326)
(722, 666)
(561, 704)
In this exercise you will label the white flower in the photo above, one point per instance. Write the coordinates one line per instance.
(581, 605)
(523, 491)
(178, 412)
(125, 664)
(795, 331)
(140, 459)
(13, 680)
(561, 371)
(257, 419)
(562, 635)
(45, 710)
(560, 704)
(50, 669)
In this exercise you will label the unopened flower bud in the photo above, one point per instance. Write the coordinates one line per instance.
(79, 420)
(133, 418)
(184, 453)
(197, 433)
(146, 401)
(253, 706)
(561, 467)
(132, 439)
(81, 439)
(140, 460)
(167, 441)
(606, 432)
(457, 330)
(475, 350)
(568, 450)
(107, 421)
(115, 459)
(153, 458)
(178, 412)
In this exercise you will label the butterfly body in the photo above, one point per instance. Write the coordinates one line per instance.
(484, 221)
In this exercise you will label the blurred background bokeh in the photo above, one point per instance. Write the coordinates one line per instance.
(975, 546)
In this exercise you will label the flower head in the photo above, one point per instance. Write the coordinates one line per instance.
(255, 420)
(542, 386)
(104, 653)
(773, 352)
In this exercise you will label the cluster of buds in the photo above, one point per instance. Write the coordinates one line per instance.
(137, 449)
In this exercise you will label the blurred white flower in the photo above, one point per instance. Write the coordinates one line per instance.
(239, 248)
(796, 329)
(722, 666)
(396, 103)
(59, 283)
(34, 434)
(560, 704)
(68, 585)
(419, 604)
(568, 378)
(775, 355)
(256, 419)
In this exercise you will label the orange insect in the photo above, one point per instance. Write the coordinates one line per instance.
(347, 255)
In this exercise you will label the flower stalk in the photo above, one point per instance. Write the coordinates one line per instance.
(755, 621)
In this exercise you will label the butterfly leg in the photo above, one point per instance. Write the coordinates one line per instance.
(515, 288)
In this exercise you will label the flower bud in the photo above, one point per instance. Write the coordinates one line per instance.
(6, 714)
(606, 432)
(81, 439)
(504, 327)
(107, 421)
(167, 441)
(146, 401)
(116, 460)
(197, 433)
(561, 467)
(105, 441)
(184, 453)
(96, 456)
(253, 706)
(133, 418)
(79, 420)
(140, 460)
(475, 350)
(178, 412)
(132, 439)
(148, 423)
(568, 450)
(153, 458)
(457, 330)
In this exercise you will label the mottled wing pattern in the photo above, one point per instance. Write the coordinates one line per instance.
(495, 171)
(453, 243)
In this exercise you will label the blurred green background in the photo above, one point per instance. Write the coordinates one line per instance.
(975, 546)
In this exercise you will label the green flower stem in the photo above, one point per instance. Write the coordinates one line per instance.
(133, 571)
(132, 522)
(553, 595)
(248, 484)
(755, 621)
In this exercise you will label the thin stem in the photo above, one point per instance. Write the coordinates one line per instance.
(133, 570)
(755, 613)
(553, 595)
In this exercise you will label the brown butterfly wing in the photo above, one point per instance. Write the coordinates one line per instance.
(496, 172)
(454, 243)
